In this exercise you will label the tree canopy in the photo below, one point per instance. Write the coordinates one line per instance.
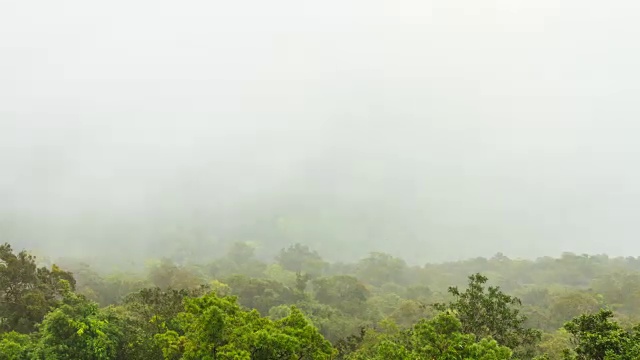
(302, 307)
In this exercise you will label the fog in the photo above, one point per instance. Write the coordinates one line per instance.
(432, 130)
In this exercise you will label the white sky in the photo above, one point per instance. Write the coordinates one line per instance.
(483, 125)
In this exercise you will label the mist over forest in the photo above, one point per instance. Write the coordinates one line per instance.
(429, 130)
(319, 180)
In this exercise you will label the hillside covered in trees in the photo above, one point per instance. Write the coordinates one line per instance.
(300, 306)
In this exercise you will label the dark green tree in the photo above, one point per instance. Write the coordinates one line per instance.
(487, 311)
(144, 314)
(27, 292)
(597, 337)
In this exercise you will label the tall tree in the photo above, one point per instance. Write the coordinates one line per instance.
(487, 311)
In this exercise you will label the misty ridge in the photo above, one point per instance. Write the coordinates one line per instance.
(429, 130)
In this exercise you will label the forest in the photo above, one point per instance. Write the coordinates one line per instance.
(298, 180)
(299, 306)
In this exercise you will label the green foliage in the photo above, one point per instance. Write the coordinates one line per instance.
(596, 337)
(554, 344)
(350, 344)
(620, 290)
(379, 268)
(77, 330)
(261, 294)
(372, 309)
(27, 292)
(487, 311)
(343, 292)
(439, 338)
(300, 259)
(239, 259)
(157, 307)
(145, 314)
(408, 312)
(213, 327)
(105, 289)
(332, 323)
(165, 274)
(15, 346)
(567, 305)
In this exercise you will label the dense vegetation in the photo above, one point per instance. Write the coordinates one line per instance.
(302, 307)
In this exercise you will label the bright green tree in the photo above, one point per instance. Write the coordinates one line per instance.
(439, 338)
(216, 328)
(15, 346)
(77, 330)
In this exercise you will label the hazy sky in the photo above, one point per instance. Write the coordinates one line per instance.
(430, 129)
